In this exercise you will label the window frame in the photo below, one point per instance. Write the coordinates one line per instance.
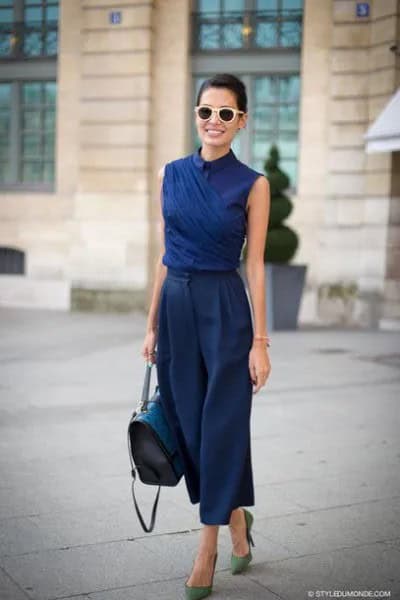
(277, 128)
(16, 71)
(251, 13)
(15, 137)
(18, 29)
(248, 65)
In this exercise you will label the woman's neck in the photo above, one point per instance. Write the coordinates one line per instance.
(213, 152)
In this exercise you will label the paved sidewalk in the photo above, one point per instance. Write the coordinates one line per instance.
(326, 456)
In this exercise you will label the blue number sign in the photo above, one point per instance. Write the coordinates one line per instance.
(115, 17)
(362, 9)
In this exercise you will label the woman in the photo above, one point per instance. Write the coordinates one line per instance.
(208, 356)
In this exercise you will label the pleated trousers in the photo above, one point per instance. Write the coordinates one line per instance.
(205, 335)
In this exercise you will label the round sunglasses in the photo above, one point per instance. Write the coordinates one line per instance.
(225, 113)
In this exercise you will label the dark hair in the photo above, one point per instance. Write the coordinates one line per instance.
(231, 82)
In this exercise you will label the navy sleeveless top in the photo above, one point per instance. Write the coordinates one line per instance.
(204, 210)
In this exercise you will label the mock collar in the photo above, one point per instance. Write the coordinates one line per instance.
(216, 164)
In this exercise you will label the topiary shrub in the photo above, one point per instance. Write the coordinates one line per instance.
(282, 242)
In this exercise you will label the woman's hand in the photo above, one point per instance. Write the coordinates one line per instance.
(148, 347)
(259, 365)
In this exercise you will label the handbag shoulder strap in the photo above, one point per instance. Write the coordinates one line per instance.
(139, 514)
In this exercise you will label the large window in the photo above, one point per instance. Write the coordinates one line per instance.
(276, 120)
(37, 131)
(28, 28)
(260, 41)
(5, 136)
(246, 24)
(28, 67)
(6, 11)
(27, 125)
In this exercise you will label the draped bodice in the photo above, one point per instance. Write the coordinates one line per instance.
(204, 210)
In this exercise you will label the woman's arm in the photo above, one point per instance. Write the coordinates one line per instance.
(150, 339)
(257, 225)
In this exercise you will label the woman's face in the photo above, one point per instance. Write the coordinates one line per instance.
(216, 132)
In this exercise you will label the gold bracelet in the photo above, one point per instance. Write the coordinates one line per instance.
(261, 339)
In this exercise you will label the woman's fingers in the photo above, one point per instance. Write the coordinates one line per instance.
(253, 373)
(151, 356)
(148, 352)
(258, 384)
(258, 377)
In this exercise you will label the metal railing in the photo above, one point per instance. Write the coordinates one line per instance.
(246, 30)
(24, 40)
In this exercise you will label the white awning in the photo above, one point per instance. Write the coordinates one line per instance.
(384, 133)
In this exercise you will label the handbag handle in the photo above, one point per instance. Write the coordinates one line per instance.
(143, 404)
(146, 387)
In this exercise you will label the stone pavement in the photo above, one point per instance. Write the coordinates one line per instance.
(326, 456)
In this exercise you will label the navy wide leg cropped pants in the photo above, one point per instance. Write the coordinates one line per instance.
(204, 338)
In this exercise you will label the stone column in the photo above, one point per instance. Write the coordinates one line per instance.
(381, 277)
(68, 95)
(391, 294)
(110, 229)
(353, 238)
(171, 98)
(308, 215)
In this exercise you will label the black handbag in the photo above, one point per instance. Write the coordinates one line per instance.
(152, 448)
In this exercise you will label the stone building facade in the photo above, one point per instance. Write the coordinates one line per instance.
(126, 73)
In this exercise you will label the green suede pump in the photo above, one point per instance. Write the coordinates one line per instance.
(239, 563)
(196, 592)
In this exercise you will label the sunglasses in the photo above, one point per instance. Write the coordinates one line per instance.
(225, 113)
